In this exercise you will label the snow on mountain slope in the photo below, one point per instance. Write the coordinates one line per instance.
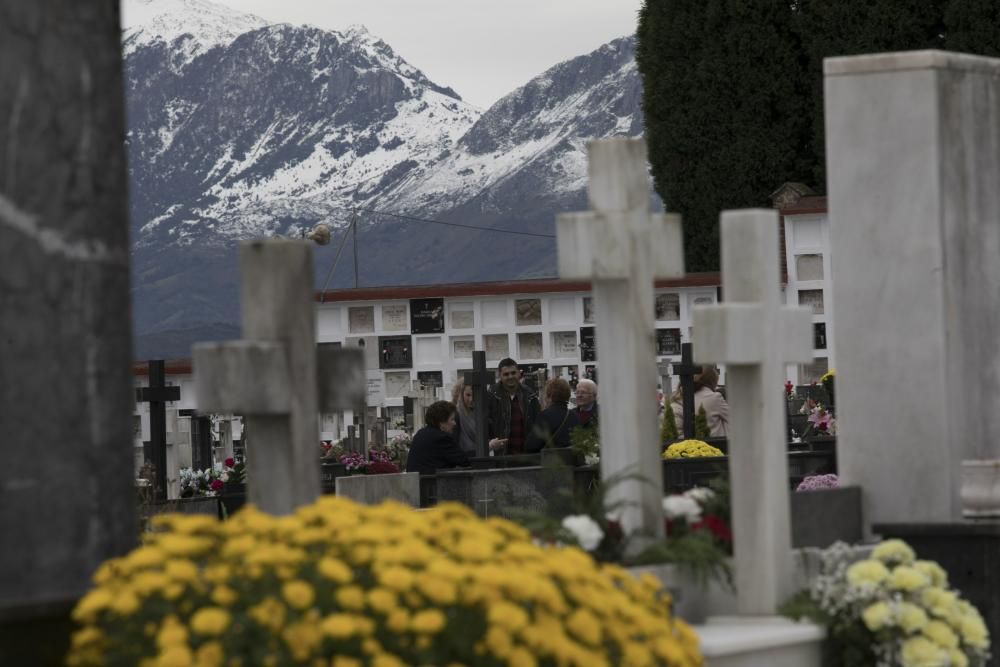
(208, 24)
(241, 129)
(542, 126)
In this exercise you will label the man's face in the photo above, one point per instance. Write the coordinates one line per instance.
(510, 377)
(585, 395)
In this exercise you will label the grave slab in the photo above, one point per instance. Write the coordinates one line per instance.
(373, 489)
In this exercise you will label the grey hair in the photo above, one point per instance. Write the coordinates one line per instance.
(586, 382)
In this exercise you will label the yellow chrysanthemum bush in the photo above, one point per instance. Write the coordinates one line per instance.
(340, 584)
(691, 449)
(892, 609)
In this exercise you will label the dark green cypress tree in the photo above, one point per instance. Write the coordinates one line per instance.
(724, 111)
(668, 425)
(701, 428)
(733, 91)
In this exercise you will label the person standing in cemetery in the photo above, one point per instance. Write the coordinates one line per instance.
(586, 405)
(554, 423)
(705, 396)
(463, 398)
(513, 408)
(434, 446)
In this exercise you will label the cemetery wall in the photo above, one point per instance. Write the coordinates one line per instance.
(427, 333)
(807, 270)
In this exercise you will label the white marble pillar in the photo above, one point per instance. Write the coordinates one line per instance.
(913, 164)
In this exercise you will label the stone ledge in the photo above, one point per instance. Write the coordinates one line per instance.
(745, 641)
(909, 60)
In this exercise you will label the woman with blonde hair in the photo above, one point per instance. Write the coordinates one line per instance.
(705, 396)
(465, 419)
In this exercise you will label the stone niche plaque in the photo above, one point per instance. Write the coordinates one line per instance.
(497, 346)
(529, 346)
(701, 300)
(562, 311)
(394, 317)
(430, 379)
(588, 309)
(395, 352)
(668, 307)
(819, 335)
(495, 314)
(428, 350)
(328, 322)
(397, 383)
(668, 342)
(462, 316)
(462, 348)
(588, 344)
(812, 298)
(361, 319)
(809, 267)
(375, 389)
(426, 316)
(564, 344)
(527, 312)
(590, 372)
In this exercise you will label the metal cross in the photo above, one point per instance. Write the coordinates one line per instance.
(479, 379)
(158, 394)
(686, 370)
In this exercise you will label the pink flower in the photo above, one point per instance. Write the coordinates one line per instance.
(229, 463)
(217, 484)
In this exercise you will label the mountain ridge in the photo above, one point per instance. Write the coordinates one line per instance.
(282, 127)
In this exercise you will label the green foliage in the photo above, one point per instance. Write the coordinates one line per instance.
(585, 441)
(701, 429)
(668, 425)
(733, 91)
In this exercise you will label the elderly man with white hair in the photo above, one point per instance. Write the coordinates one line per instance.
(586, 404)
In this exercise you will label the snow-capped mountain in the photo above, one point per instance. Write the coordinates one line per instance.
(240, 129)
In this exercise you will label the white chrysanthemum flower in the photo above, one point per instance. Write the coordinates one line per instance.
(700, 493)
(682, 507)
(585, 530)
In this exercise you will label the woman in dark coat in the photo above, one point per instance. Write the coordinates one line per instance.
(433, 446)
(554, 423)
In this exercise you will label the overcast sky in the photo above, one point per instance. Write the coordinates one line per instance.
(483, 49)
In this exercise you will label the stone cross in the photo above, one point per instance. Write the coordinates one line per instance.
(417, 399)
(621, 248)
(755, 336)
(663, 371)
(275, 377)
(686, 370)
(914, 170)
(158, 394)
(479, 379)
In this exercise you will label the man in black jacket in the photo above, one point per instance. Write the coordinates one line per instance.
(433, 446)
(512, 408)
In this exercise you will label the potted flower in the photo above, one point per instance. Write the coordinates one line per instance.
(891, 609)
(686, 449)
(338, 583)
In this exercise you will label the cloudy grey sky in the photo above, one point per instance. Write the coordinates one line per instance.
(483, 49)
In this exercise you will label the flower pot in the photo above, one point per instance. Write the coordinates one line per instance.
(981, 488)
(691, 602)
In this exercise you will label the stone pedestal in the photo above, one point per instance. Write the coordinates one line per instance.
(913, 166)
(758, 641)
(403, 487)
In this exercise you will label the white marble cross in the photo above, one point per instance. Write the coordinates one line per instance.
(621, 248)
(276, 378)
(755, 336)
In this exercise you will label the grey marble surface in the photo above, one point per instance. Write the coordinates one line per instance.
(913, 155)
